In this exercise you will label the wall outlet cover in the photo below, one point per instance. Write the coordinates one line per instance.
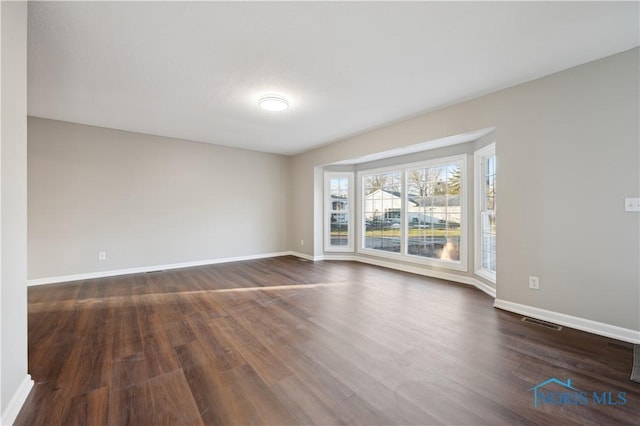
(534, 283)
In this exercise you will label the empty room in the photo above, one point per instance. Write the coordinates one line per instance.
(319, 213)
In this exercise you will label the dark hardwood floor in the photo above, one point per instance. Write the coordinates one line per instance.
(284, 341)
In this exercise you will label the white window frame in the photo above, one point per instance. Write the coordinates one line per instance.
(458, 265)
(361, 220)
(479, 157)
(328, 210)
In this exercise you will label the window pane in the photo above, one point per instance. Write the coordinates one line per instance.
(487, 229)
(382, 210)
(338, 208)
(433, 211)
(339, 193)
(339, 229)
(488, 241)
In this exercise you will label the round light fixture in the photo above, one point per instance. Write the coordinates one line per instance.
(273, 103)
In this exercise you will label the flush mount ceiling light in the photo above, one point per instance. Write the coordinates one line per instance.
(273, 103)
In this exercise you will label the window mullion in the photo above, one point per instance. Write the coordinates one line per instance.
(421, 221)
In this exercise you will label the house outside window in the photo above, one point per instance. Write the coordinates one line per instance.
(433, 211)
(338, 211)
(415, 212)
(381, 215)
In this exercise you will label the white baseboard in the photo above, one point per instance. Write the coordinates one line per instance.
(590, 326)
(379, 262)
(345, 257)
(17, 400)
(462, 279)
(113, 273)
(484, 287)
(418, 270)
(305, 256)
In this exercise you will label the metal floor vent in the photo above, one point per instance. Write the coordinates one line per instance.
(302, 260)
(541, 323)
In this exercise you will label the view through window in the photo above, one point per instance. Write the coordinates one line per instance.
(338, 196)
(415, 211)
(382, 207)
(433, 211)
(486, 212)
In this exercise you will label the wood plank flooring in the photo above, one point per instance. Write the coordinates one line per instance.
(283, 341)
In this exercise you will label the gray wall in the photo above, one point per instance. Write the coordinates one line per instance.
(146, 200)
(568, 151)
(13, 205)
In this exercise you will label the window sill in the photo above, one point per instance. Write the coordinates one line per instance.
(346, 249)
(437, 263)
(487, 275)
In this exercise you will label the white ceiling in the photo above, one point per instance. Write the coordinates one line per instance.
(195, 70)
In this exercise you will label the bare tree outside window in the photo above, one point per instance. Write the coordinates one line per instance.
(433, 212)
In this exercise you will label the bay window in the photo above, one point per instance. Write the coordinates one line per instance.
(382, 206)
(433, 211)
(485, 212)
(415, 212)
(338, 211)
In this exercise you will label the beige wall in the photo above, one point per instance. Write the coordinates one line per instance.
(568, 153)
(146, 200)
(14, 381)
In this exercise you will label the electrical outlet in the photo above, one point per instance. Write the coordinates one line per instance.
(534, 283)
(301, 242)
(102, 255)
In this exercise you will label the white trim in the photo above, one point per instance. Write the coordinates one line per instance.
(328, 210)
(409, 258)
(462, 264)
(305, 256)
(434, 162)
(382, 253)
(332, 256)
(113, 273)
(590, 326)
(461, 279)
(420, 147)
(487, 275)
(418, 270)
(17, 401)
(478, 160)
(484, 287)
(488, 150)
(337, 256)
